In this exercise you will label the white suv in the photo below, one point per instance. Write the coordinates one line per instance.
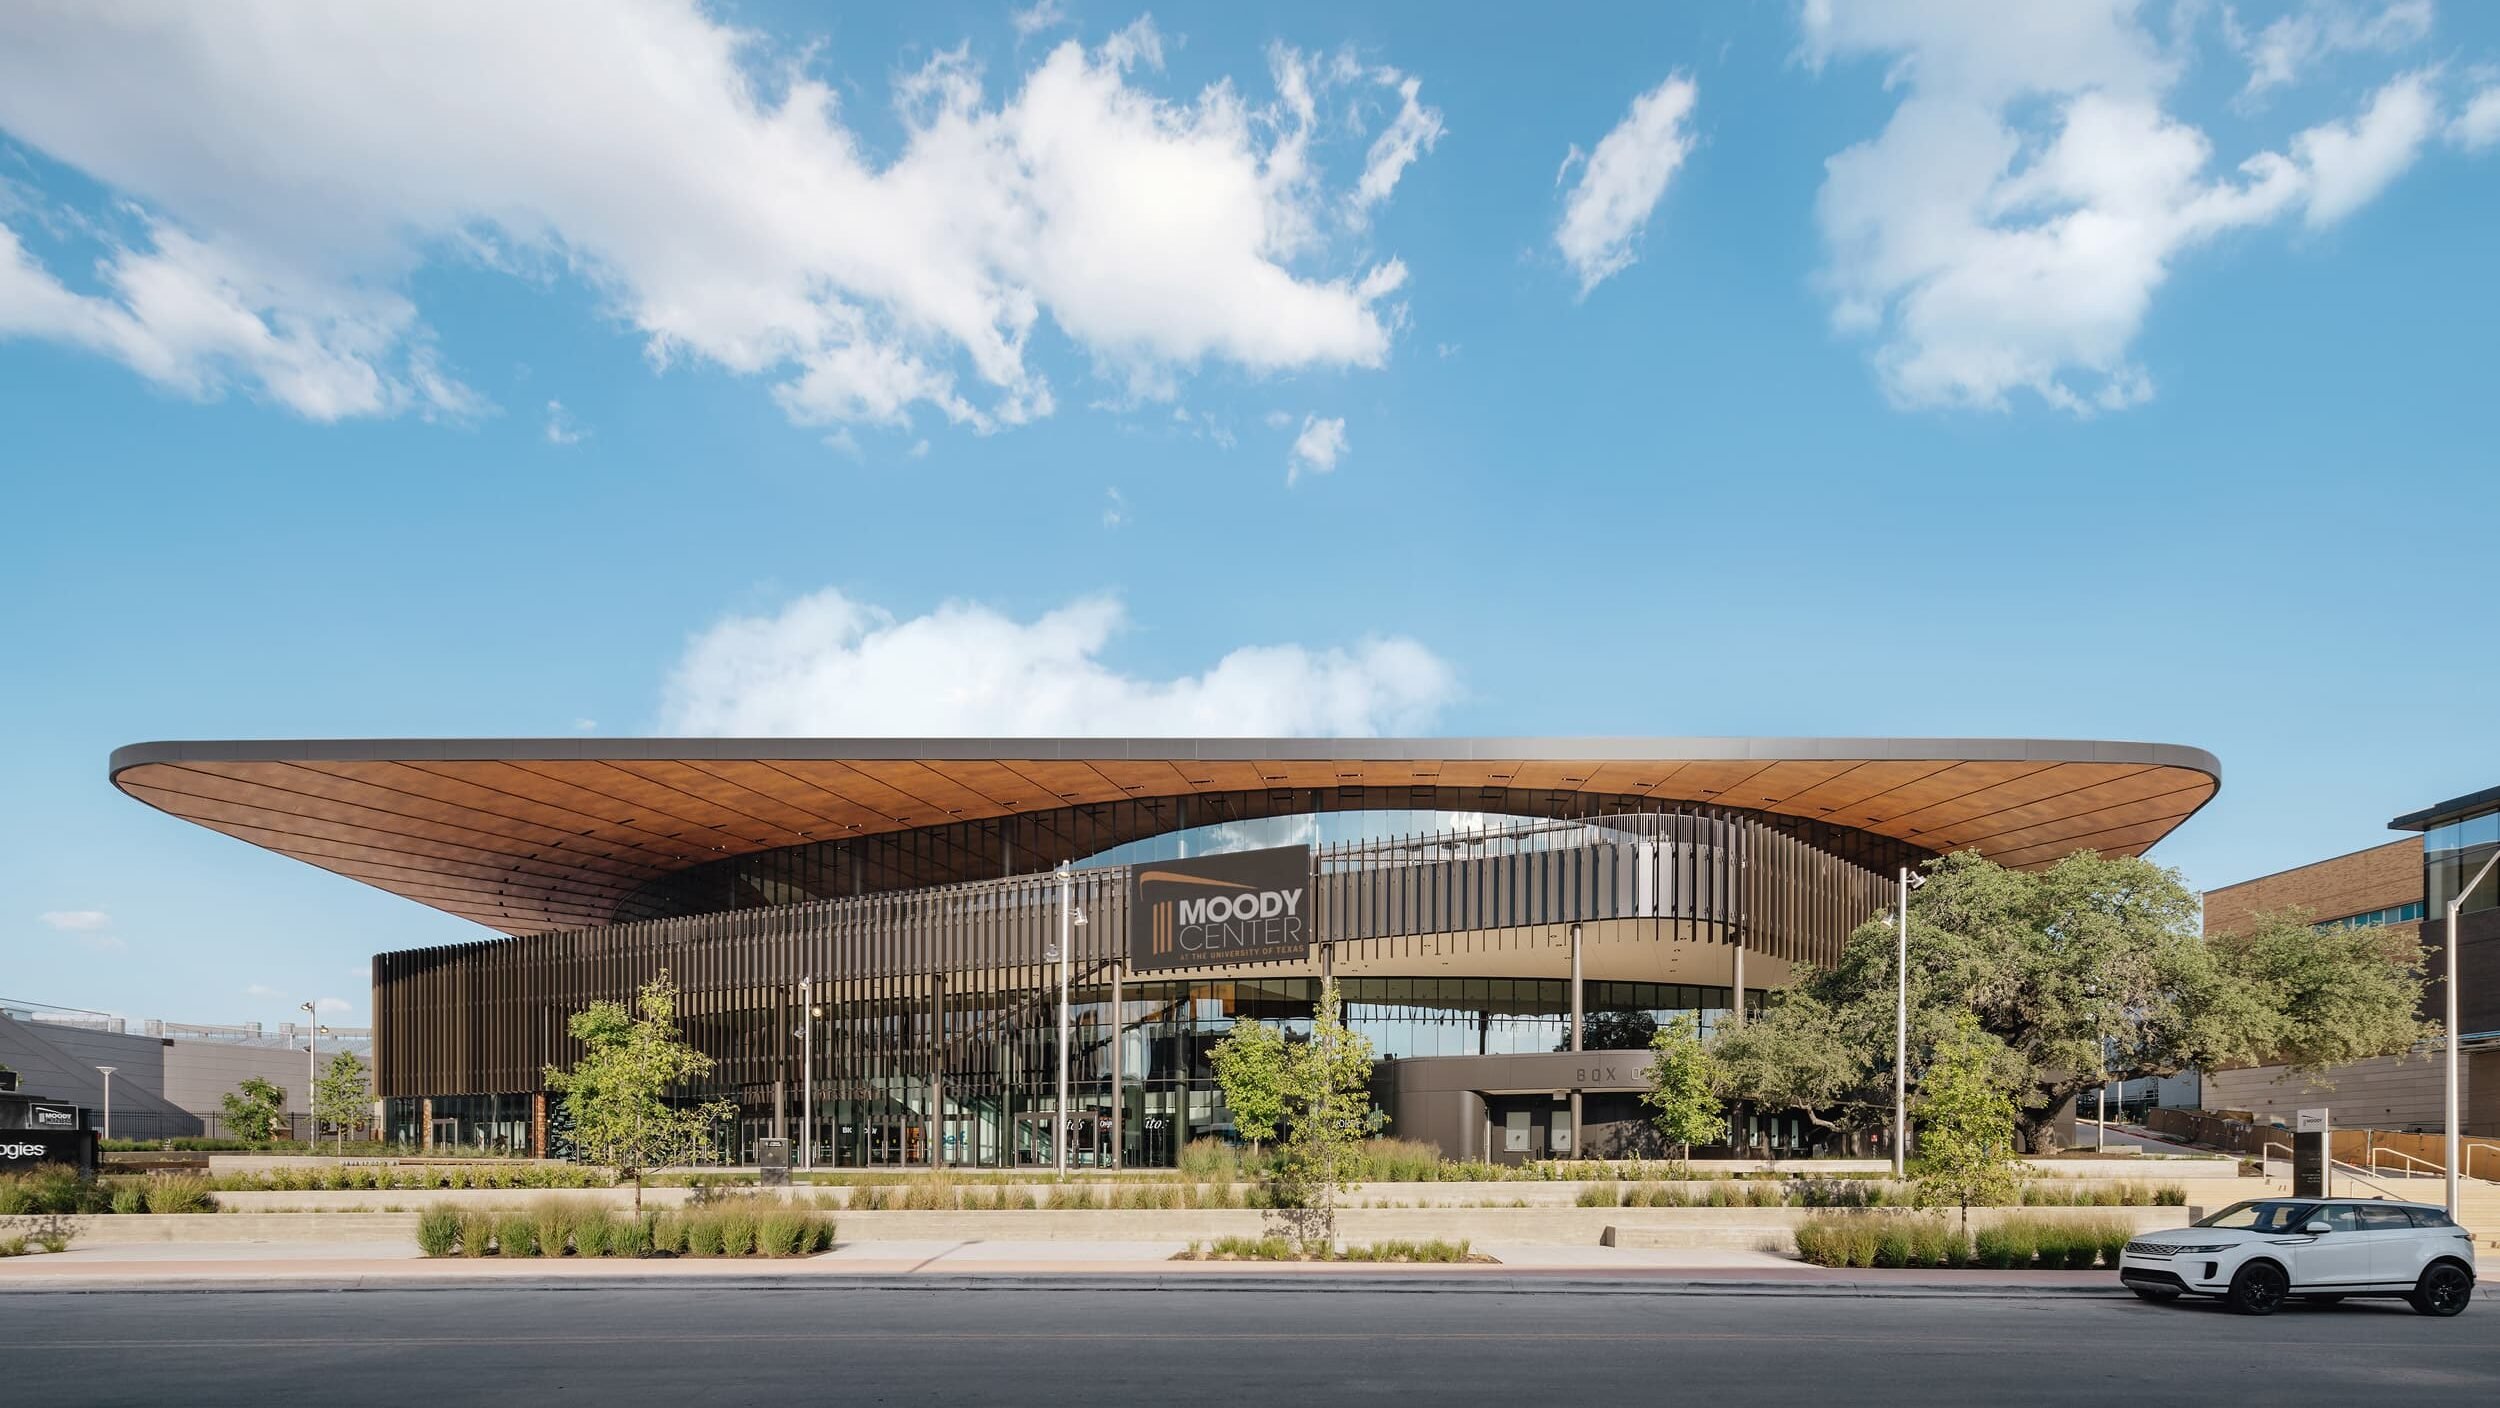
(2255, 1255)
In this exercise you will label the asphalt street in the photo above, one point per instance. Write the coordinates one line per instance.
(690, 1345)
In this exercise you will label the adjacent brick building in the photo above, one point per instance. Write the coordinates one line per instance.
(2386, 886)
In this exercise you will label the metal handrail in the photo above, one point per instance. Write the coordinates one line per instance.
(2265, 1156)
(2353, 1172)
(2376, 1153)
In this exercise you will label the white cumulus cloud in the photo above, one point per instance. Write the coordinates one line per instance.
(2008, 229)
(825, 665)
(1317, 449)
(2478, 126)
(293, 166)
(76, 921)
(1622, 180)
(2289, 47)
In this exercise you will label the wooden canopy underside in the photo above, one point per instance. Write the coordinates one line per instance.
(453, 824)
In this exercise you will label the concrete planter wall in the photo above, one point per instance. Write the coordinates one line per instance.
(106, 1229)
(1743, 1228)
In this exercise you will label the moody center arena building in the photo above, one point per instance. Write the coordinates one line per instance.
(867, 932)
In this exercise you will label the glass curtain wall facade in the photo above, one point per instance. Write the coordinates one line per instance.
(930, 1021)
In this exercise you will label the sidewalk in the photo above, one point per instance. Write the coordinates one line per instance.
(228, 1266)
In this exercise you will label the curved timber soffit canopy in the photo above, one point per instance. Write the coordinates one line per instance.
(450, 823)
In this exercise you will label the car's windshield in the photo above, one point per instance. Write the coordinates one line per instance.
(2263, 1215)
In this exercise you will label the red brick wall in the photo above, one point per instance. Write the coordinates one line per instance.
(2378, 878)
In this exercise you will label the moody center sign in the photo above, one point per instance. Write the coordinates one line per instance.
(1247, 907)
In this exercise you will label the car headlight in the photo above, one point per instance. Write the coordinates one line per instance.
(2207, 1249)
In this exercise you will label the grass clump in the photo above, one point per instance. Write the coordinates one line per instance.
(477, 1232)
(180, 1192)
(438, 1231)
(516, 1234)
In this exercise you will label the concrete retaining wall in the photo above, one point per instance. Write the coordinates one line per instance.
(113, 1230)
(2197, 1181)
(1745, 1228)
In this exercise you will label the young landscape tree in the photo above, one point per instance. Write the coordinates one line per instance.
(617, 1096)
(343, 1096)
(252, 1110)
(1327, 1115)
(1966, 1152)
(1683, 1087)
(1250, 1069)
(2095, 954)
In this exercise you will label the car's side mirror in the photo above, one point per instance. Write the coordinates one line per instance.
(2317, 1229)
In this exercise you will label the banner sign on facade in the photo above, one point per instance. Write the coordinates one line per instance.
(1246, 907)
(52, 1116)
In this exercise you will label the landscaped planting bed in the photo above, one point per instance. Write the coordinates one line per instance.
(553, 1228)
(1922, 1240)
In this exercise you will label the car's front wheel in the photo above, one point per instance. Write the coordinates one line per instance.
(2258, 1289)
(2444, 1289)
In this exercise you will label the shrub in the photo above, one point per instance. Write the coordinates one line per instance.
(477, 1232)
(516, 1234)
(12, 1246)
(630, 1237)
(54, 1238)
(667, 1233)
(1397, 1161)
(702, 1236)
(592, 1233)
(438, 1231)
(1072, 1197)
(780, 1233)
(555, 1221)
(737, 1233)
(180, 1192)
(2005, 1246)
(130, 1198)
(1211, 1159)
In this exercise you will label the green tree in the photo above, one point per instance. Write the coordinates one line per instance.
(1327, 1115)
(1683, 1087)
(2055, 963)
(1250, 1069)
(252, 1110)
(617, 1096)
(343, 1096)
(1966, 1122)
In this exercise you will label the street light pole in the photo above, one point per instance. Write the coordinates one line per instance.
(2456, 906)
(312, 1126)
(108, 1099)
(1901, 1023)
(1067, 934)
(807, 1073)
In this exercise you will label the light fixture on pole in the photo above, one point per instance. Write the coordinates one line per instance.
(2448, 940)
(1901, 1023)
(312, 1128)
(108, 1099)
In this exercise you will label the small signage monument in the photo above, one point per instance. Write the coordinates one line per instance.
(2312, 1155)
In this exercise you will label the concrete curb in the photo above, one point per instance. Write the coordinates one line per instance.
(1438, 1282)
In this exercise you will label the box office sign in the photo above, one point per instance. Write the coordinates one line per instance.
(1247, 907)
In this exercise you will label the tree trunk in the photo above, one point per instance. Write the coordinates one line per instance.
(637, 1192)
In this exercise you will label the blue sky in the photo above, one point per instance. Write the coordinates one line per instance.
(1923, 368)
